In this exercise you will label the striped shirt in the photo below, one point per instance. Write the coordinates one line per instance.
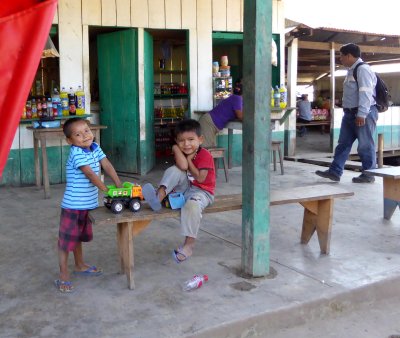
(80, 193)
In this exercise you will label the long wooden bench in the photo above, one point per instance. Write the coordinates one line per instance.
(391, 188)
(317, 201)
(322, 123)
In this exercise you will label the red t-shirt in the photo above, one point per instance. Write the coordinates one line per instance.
(204, 161)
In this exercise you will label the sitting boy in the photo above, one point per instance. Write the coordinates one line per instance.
(193, 175)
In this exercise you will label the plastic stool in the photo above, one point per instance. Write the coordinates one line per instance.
(276, 147)
(217, 153)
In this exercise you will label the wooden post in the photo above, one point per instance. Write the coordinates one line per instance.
(380, 150)
(256, 136)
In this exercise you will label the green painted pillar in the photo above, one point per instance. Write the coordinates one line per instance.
(256, 136)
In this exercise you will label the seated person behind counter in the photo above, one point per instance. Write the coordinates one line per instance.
(305, 114)
(227, 110)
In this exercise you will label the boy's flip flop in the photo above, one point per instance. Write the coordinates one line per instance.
(64, 286)
(90, 271)
(177, 252)
(150, 196)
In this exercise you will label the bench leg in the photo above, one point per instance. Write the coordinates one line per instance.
(318, 217)
(225, 168)
(125, 233)
(280, 159)
(391, 196)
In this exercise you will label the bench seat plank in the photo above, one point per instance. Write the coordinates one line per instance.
(317, 201)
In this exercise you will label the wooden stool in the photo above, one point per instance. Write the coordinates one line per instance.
(276, 147)
(216, 154)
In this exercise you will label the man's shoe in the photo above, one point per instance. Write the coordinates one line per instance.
(328, 174)
(363, 178)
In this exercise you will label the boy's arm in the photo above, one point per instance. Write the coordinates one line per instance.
(110, 171)
(93, 177)
(180, 159)
(199, 175)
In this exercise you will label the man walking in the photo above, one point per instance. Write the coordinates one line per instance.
(359, 118)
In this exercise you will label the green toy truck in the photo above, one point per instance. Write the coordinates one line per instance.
(129, 196)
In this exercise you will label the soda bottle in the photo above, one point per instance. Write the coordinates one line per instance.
(39, 106)
(277, 97)
(282, 97)
(64, 102)
(71, 102)
(80, 101)
(272, 98)
(34, 109)
(44, 106)
(56, 103)
(49, 106)
(196, 282)
(28, 108)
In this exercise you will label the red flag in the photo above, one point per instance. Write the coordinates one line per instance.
(24, 28)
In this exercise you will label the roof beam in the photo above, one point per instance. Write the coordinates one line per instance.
(365, 49)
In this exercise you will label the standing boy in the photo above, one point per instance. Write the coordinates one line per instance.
(81, 195)
(193, 175)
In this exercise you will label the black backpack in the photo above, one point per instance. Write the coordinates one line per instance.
(382, 93)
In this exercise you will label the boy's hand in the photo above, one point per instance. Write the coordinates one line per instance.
(191, 156)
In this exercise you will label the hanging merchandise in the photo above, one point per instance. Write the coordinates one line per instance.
(80, 101)
(282, 97)
(64, 102)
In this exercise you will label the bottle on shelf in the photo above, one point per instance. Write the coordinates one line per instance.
(64, 102)
(56, 103)
(196, 282)
(282, 96)
(34, 108)
(39, 106)
(28, 108)
(80, 101)
(272, 98)
(277, 97)
(71, 101)
(49, 106)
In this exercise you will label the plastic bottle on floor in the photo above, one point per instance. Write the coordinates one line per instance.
(196, 282)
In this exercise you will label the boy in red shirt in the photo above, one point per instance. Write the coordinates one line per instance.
(194, 175)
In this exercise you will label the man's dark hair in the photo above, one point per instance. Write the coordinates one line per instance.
(351, 48)
(67, 127)
(188, 125)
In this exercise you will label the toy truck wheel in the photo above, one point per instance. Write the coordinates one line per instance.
(117, 207)
(135, 205)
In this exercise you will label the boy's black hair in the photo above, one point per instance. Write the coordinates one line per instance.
(67, 130)
(351, 48)
(188, 125)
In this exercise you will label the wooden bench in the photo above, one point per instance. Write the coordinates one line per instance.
(317, 201)
(391, 188)
(321, 123)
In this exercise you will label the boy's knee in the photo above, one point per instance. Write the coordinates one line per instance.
(192, 205)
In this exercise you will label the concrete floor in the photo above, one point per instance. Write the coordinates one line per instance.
(304, 291)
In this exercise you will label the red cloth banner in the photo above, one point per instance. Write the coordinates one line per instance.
(24, 28)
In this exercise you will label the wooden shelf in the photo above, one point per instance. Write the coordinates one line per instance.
(170, 71)
(26, 121)
(170, 96)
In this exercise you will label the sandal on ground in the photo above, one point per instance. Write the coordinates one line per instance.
(64, 286)
(90, 271)
(150, 195)
(180, 252)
